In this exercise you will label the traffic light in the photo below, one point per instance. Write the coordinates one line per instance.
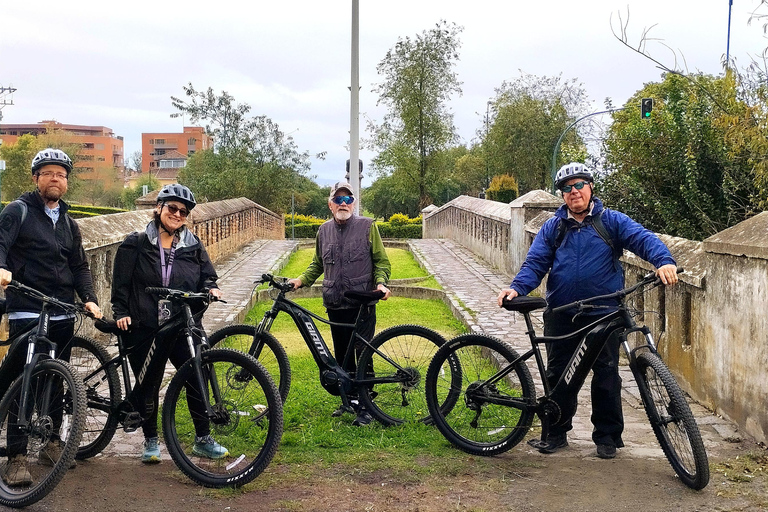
(646, 105)
(360, 164)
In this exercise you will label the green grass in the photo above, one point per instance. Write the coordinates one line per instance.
(313, 440)
(402, 261)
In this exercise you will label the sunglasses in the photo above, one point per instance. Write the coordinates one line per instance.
(343, 199)
(578, 186)
(173, 210)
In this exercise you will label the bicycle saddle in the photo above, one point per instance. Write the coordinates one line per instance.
(364, 297)
(524, 304)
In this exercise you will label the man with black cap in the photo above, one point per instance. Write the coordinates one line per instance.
(349, 251)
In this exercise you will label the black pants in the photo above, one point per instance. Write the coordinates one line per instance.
(146, 397)
(60, 332)
(607, 416)
(342, 335)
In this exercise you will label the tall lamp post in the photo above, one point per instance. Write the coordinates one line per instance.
(562, 135)
(485, 146)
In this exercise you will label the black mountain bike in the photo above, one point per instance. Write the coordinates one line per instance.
(240, 400)
(42, 411)
(498, 396)
(390, 370)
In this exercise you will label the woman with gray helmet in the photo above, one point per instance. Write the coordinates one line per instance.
(166, 254)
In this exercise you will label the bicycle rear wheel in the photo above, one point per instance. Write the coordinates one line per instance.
(102, 389)
(248, 421)
(269, 352)
(44, 450)
(396, 395)
(475, 424)
(672, 421)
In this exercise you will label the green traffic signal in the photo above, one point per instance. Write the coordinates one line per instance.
(646, 106)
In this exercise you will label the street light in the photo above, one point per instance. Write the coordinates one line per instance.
(487, 131)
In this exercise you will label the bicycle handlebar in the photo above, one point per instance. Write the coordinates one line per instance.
(270, 279)
(651, 279)
(179, 295)
(46, 299)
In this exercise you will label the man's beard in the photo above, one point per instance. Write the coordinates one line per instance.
(51, 193)
(342, 216)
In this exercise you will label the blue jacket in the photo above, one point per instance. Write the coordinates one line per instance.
(583, 266)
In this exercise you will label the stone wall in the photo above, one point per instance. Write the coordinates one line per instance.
(223, 227)
(711, 329)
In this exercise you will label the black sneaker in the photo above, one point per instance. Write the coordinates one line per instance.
(553, 444)
(606, 451)
(363, 418)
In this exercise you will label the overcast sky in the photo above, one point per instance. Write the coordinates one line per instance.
(117, 64)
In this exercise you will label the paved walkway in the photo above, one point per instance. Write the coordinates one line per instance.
(473, 288)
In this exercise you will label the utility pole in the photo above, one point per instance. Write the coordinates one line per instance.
(3, 102)
(354, 111)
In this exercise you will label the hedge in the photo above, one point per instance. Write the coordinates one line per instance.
(307, 230)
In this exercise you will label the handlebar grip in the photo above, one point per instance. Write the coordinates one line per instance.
(157, 290)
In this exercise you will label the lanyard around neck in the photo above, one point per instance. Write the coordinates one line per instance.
(165, 269)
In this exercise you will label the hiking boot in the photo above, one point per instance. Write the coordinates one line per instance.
(606, 451)
(363, 418)
(51, 453)
(151, 454)
(554, 443)
(16, 473)
(206, 446)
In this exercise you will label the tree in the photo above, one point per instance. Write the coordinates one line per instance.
(17, 177)
(226, 119)
(136, 161)
(253, 158)
(503, 189)
(418, 81)
(529, 116)
(689, 170)
(130, 195)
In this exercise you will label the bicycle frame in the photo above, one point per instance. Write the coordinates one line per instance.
(38, 347)
(126, 408)
(333, 375)
(578, 367)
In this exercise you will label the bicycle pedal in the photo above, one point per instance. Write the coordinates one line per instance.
(132, 422)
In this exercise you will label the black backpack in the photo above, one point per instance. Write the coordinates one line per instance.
(597, 223)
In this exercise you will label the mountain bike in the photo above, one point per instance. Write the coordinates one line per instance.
(389, 376)
(236, 398)
(498, 397)
(42, 409)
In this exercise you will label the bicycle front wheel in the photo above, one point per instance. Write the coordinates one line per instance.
(672, 421)
(263, 346)
(396, 391)
(246, 426)
(35, 457)
(102, 389)
(478, 423)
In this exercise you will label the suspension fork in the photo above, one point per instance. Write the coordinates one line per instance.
(196, 352)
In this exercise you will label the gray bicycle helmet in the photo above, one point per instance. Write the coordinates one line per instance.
(50, 156)
(570, 171)
(177, 192)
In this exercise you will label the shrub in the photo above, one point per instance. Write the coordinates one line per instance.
(399, 219)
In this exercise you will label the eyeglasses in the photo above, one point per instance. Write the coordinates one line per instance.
(51, 174)
(578, 186)
(173, 210)
(343, 199)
